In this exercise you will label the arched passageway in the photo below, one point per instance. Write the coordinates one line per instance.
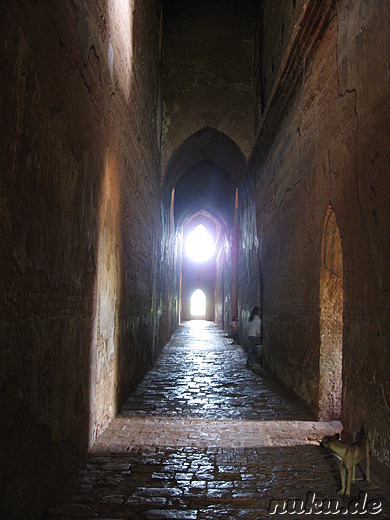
(198, 268)
(202, 178)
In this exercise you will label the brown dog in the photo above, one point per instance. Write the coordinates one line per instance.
(349, 455)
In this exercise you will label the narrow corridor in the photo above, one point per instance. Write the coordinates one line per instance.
(202, 437)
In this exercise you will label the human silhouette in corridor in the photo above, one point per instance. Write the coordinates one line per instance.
(254, 331)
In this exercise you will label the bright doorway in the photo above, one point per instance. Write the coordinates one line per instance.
(198, 304)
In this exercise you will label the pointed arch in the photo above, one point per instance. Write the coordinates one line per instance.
(331, 320)
(198, 304)
(210, 145)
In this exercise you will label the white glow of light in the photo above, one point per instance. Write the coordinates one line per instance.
(120, 47)
(199, 245)
(198, 303)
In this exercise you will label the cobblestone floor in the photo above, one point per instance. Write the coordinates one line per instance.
(204, 438)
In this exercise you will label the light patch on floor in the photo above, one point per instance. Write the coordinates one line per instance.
(128, 432)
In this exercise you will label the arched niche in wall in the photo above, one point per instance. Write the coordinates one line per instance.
(331, 320)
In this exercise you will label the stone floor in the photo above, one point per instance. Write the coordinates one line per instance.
(202, 437)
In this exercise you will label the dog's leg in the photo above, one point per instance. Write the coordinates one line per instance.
(342, 473)
(351, 473)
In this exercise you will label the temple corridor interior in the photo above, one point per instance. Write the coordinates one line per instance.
(133, 134)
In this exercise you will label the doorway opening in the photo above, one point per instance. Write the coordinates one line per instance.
(198, 304)
(331, 321)
(198, 266)
(199, 245)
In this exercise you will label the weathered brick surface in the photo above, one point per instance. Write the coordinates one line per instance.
(80, 223)
(278, 20)
(330, 147)
(207, 74)
(249, 271)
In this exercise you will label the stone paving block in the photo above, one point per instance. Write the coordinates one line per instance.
(172, 514)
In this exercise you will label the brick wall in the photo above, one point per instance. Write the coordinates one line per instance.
(207, 73)
(330, 147)
(80, 221)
